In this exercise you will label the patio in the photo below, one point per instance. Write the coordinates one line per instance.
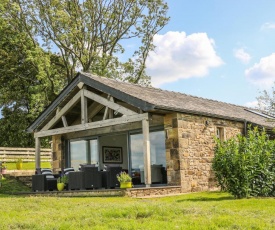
(141, 191)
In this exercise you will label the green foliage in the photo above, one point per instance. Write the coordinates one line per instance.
(245, 166)
(124, 177)
(10, 186)
(19, 160)
(89, 34)
(30, 78)
(62, 179)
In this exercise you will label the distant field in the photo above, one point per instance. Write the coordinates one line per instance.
(28, 165)
(209, 210)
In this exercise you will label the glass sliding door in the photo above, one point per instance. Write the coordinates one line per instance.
(93, 149)
(137, 162)
(83, 152)
(157, 153)
(78, 153)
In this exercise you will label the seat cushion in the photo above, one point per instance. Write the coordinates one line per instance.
(48, 173)
(66, 171)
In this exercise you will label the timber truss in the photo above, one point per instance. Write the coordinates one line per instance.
(101, 111)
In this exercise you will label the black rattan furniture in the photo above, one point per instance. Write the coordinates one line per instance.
(109, 177)
(75, 180)
(44, 180)
(92, 177)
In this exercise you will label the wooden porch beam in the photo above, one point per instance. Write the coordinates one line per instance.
(93, 125)
(37, 153)
(84, 109)
(64, 120)
(146, 152)
(110, 104)
(69, 105)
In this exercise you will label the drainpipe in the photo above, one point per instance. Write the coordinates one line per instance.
(245, 127)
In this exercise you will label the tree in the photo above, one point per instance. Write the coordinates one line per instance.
(30, 80)
(89, 34)
(266, 102)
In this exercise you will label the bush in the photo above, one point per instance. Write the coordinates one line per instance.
(245, 166)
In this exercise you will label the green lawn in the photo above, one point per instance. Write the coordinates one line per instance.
(210, 210)
(28, 165)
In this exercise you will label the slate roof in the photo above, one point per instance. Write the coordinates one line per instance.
(151, 99)
(174, 101)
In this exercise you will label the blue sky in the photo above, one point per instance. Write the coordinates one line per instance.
(216, 49)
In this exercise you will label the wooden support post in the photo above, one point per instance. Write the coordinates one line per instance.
(84, 109)
(146, 152)
(37, 153)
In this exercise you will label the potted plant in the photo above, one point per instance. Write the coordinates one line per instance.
(19, 164)
(61, 181)
(125, 180)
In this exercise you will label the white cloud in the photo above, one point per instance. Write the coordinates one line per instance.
(243, 56)
(252, 104)
(178, 56)
(262, 73)
(268, 25)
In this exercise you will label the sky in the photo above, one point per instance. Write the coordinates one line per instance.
(217, 49)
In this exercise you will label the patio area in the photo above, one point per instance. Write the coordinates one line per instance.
(137, 192)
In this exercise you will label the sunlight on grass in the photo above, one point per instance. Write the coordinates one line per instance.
(28, 165)
(208, 210)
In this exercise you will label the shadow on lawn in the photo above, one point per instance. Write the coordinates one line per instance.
(206, 198)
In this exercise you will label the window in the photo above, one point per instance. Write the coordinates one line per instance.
(83, 151)
(157, 157)
(220, 133)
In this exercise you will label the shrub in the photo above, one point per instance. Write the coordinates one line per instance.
(245, 165)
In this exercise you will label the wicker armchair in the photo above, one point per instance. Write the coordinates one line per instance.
(44, 180)
(92, 177)
(75, 180)
(109, 177)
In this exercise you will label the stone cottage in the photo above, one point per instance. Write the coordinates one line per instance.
(162, 138)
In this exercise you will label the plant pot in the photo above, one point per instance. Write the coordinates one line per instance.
(60, 186)
(126, 185)
(19, 165)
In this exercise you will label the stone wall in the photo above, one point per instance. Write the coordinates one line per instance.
(172, 149)
(190, 149)
(58, 154)
(153, 191)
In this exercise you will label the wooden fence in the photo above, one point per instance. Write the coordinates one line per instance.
(8, 155)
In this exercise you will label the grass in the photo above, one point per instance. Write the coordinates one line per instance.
(27, 165)
(208, 210)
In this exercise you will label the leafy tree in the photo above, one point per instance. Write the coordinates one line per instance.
(245, 166)
(30, 79)
(89, 34)
(266, 102)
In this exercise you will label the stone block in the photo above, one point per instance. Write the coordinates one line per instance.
(175, 143)
(176, 165)
(56, 164)
(183, 143)
(174, 123)
(174, 154)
